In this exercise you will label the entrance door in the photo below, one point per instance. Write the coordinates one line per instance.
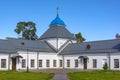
(85, 63)
(13, 63)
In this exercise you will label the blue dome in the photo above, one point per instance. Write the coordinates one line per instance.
(57, 21)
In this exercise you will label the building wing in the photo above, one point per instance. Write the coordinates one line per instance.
(104, 46)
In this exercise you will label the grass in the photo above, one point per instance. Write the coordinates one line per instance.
(95, 75)
(12, 75)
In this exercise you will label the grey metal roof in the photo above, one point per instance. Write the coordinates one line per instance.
(95, 47)
(57, 31)
(11, 45)
(5, 47)
(31, 45)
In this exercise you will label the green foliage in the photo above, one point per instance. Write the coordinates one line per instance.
(12, 75)
(95, 75)
(105, 66)
(27, 30)
(80, 37)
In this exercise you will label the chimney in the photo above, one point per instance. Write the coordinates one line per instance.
(117, 36)
(78, 40)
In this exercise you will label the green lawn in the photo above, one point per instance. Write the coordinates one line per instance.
(95, 75)
(12, 75)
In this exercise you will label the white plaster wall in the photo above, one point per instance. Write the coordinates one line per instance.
(117, 56)
(72, 61)
(42, 55)
(4, 56)
(99, 61)
(50, 57)
(61, 42)
(31, 55)
(53, 42)
(74, 41)
(58, 42)
(89, 62)
(53, 56)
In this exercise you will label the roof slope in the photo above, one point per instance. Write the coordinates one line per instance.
(31, 45)
(95, 47)
(5, 47)
(57, 31)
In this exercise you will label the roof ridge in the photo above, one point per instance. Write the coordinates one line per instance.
(101, 40)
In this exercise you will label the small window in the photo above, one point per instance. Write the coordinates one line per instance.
(47, 63)
(60, 63)
(3, 63)
(94, 63)
(32, 63)
(76, 63)
(68, 63)
(88, 46)
(22, 43)
(54, 63)
(23, 63)
(116, 63)
(40, 63)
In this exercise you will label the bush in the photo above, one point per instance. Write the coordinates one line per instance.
(105, 66)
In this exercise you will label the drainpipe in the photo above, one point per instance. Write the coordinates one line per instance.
(38, 60)
(9, 61)
(27, 62)
(109, 57)
(63, 61)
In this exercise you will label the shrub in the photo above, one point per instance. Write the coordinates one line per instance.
(105, 66)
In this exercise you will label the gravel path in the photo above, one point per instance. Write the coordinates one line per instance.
(60, 74)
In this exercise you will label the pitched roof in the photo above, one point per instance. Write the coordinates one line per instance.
(57, 31)
(31, 45)
(95, 47)
(5, 47)
(11, 45)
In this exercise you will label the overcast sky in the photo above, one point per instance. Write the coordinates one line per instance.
(95, 19)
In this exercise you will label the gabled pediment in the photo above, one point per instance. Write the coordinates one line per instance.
(56, 43)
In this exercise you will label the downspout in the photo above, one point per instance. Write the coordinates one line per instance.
(63, 62)
(27, 62)
(9, 61)
(109, 57)
(38, 60)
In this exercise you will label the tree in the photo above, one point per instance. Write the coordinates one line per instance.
(105, 66)
(80, 37)
(27, 30)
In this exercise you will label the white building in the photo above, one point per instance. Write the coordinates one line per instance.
(58, 48)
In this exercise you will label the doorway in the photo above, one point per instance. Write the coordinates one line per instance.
(13, 63)
(85, 63)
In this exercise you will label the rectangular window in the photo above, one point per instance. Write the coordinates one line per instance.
(32, 63)
(116, 63)
(68, 63)
(76, 63)
(47, 63)
(23, 63)
(3, 63)
(60, 63)
(40, 63)
(94, 63)
(54, 63)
